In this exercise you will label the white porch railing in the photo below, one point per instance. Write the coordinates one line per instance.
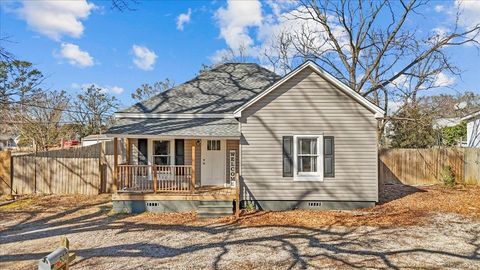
(155, 178)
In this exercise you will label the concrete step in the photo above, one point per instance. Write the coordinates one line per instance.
(216, 203)
(215, 209)
(215, 206)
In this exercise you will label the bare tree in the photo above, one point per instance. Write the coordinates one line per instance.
(146, 90)
(19, 83)
(40, 123)
(92, 111)
(367, 45)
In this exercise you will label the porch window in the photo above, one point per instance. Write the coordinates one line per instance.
(308, 159)
(161, 152)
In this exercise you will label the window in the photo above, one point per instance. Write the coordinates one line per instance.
(142, 152)
(307, 155)
(308, 162)
(179, 152)
(161, 152)
(213, 145)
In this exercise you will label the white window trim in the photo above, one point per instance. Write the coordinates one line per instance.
(312, 176)
(171, 150)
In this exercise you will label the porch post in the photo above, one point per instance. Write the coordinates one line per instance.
(127, 161)
(237, 195)
(115, 164)
(128, 150)
(193, 165)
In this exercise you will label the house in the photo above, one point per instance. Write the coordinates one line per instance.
(443, 122)
(94, 139)
(304, 140)
(7, 141)
(473, 130)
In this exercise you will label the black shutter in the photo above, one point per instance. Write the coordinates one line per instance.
(328, 156)
(179, 152)
(287, 156)
(142, 152)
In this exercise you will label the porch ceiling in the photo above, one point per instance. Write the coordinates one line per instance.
(195, 127)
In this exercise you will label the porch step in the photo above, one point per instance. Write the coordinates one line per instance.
(212, 209)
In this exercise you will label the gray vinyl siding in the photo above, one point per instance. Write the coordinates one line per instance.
(307, 104)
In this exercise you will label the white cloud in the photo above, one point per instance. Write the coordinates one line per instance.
(56, 18)
(441, 31)
(106, 89)
(75, 55)
(294, 21)
(235, 21)
(144, 58)
(439, 8)
(279, 6)
(394, 105)
(470, 15)
(286, 16)
(443, 80)
(402, 82)
(116, 89)
(183, 18)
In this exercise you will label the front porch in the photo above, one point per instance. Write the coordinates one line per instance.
(175, 174)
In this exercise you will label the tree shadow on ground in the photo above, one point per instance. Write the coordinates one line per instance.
(392, 192)
(354, 247)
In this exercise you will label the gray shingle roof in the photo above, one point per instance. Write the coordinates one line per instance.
(220, 90)
(196, 127)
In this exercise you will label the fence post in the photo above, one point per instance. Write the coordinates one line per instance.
(11, 175)
(101, 166)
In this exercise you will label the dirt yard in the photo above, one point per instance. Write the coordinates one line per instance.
(427, 228)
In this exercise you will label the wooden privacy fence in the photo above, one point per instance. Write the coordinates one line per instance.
(86, 170)
(424, 166)
(5, 172)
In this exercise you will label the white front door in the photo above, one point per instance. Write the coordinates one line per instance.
(213, 162)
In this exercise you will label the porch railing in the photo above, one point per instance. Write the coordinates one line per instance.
(155, 178)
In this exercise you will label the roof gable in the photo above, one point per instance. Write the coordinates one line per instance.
(325, 75)
(220, 90)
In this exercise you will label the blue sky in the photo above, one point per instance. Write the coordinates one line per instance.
(88, 42)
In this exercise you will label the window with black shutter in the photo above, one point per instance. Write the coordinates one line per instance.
(328, 156)
(287, 156)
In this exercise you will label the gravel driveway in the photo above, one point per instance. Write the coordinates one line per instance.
(103, 241)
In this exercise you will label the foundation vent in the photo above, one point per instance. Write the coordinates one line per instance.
(314, 204)
(152, 203)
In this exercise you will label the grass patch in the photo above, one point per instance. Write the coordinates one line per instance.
(18, 204)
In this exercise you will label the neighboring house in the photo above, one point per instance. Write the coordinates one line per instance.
(446, 122)
(304, 140)
(473, 129)
(7, 141)
(94, 139)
